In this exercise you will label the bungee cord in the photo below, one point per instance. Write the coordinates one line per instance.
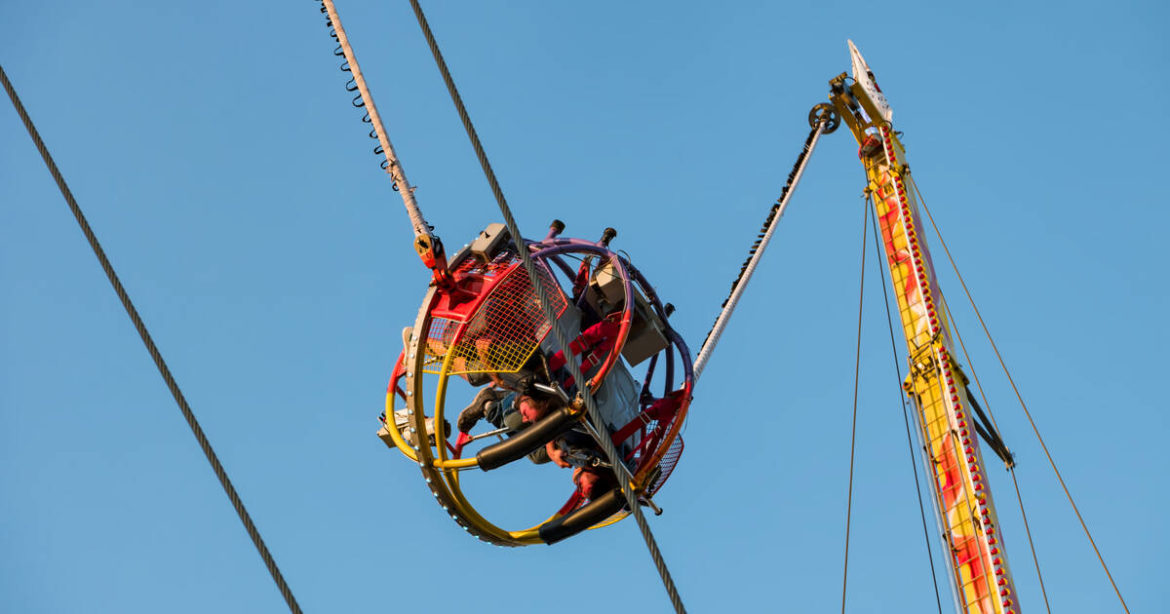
(426, 243)
(822, 123)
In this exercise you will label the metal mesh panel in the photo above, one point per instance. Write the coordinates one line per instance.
(504, 331)
(440, 335)
(667, 464)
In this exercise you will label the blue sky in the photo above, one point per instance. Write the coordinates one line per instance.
(214, 150)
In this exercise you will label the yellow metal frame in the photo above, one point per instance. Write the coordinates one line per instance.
(936, 383)
(440, 472)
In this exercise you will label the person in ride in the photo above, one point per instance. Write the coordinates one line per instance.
(515, 411)
(592, 346)
(499, 401)
(575, 448)
(508, 410)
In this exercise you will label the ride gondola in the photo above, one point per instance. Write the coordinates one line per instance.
(484, 328)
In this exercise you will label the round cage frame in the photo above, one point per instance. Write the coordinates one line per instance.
(446, 341)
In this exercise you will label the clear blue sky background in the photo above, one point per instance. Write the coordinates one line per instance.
(215, 152)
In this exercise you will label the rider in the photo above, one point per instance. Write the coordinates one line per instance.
(515, 411)
(574, 448)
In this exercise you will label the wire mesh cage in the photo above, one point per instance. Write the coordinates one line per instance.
(503, 331)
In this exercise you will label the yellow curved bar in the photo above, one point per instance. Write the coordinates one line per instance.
(439, 480)
(462, 506)
(392, 428)
(450, 478)
(455, 463)
(527, 537)
(440, 401)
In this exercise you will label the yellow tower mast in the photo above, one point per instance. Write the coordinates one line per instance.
(978, 568)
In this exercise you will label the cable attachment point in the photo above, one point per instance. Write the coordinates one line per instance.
(824, 112)
(430, 250)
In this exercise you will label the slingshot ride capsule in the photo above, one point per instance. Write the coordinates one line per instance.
(488, 330)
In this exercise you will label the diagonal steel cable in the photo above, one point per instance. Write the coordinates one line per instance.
(1011, 467)
(607, 446)
(1020, 397)
(200, 436)
(856, 380)
(905, 414)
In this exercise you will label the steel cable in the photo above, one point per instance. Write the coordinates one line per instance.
(173, 386)
(856, 380)
(611, 452)
(905, 414)
(1020, 397)
(1011, 467)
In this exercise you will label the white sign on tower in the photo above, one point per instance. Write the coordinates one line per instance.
(863, 76)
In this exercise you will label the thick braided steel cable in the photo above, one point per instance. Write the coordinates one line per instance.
(1011, 467)
(607, 446)
(757, 250)
(856, 381)
(1019, 397)
(902, 398)
(200, 436)
(394, 166)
